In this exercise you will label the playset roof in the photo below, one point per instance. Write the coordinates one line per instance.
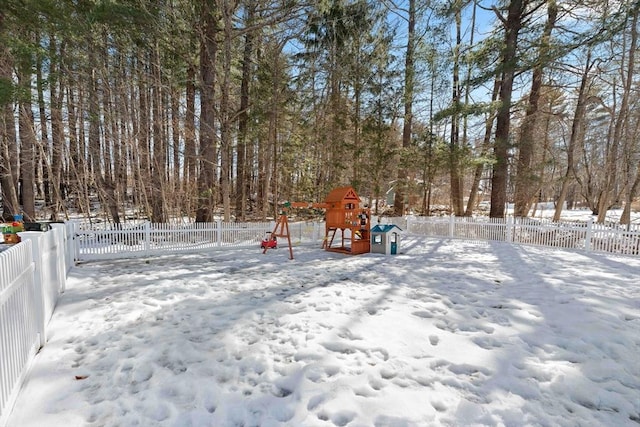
(342, 193)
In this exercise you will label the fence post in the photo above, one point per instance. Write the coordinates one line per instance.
(76, 241)
(219, 232)
(70, 245)
(147, 237)
(61, 258)
(452, 225)
(588, 235)
(36, 257)
(409, 221)
(509, 233)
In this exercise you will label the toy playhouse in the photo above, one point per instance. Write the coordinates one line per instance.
(385, 239)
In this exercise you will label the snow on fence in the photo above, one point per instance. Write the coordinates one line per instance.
(32, 276)
(147, 239)
(587, 236)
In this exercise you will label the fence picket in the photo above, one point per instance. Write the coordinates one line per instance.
(19, 339)
(148, 239)
(587, 236)
(32, 277)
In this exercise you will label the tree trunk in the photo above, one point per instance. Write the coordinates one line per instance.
(479, 169)
(159, 160)
(455, 150)
(8, 162)
(28, 142)
(611, 168)
(475, 185)
(42, 152)
(632, 135)
(8, 142)
(263, 178)
(124, 140)
(625, 218)
(141, 128)
(98, 156)
(526, 180)
(242, 180)
(577, 134)
(274, 115)
(508, 64)
(226, 136)
(401, 190)
(190, 174)
(176, 147)
(208, 152)
(57, 134)
(76, 174)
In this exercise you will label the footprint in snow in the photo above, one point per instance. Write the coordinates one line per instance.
(376, 384)
(342, 418)
(486, 343)
(423, 314)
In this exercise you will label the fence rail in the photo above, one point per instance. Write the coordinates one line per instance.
(148, 239)
(587, 236)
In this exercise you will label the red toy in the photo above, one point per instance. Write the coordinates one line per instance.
(271, 243)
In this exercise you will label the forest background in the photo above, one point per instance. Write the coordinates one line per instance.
(225, 108)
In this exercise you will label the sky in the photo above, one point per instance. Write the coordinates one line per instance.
(446, 333)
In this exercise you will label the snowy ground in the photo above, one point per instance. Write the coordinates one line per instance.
(448, 333)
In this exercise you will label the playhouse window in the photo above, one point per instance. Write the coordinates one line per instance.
(377, 239)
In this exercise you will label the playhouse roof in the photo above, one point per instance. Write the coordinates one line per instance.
(342, 193)
(384, 228)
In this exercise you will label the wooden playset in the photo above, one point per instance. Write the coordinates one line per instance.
(344, 219)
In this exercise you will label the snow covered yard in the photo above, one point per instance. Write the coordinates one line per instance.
(448, 333)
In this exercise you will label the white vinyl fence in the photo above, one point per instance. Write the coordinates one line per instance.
(95, 242)
(33, 273)
(32, 276)
(587, 236)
